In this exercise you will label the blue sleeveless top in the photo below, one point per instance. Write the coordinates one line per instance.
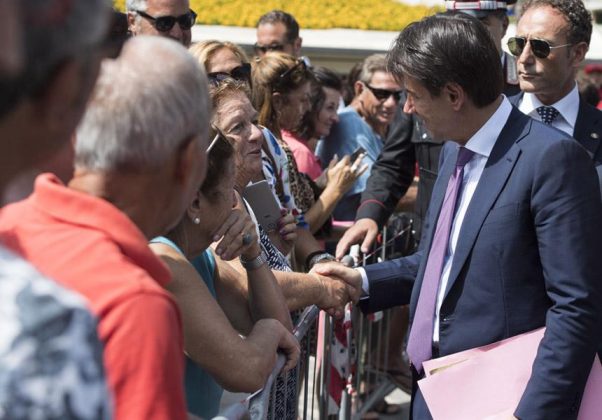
(203, 393)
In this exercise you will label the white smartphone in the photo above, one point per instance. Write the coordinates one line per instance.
(265, 206)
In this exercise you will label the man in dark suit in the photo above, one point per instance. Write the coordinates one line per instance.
(560, 32)
(408, 143)
(513, 235)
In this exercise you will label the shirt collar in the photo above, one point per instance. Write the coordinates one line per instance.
(482, 141)
(568, 106)
(52, 197)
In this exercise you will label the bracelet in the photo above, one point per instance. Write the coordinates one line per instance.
(316, 257)
(255, 263)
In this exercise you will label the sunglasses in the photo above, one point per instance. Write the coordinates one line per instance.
(265, 48)
(241, 73)
(218, 135)
(165, 23)
(301, 63)
(540, 47)
(384, 94)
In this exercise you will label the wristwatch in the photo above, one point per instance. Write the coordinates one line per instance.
(254, 263)
(317, 257)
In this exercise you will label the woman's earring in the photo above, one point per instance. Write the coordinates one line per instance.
(196, 220)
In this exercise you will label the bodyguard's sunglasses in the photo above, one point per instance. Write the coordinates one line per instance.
(241, 73)
(262, 49)
(384, 94)
(540, 47)
(165, 23)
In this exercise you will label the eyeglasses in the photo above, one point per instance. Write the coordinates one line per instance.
(262, 49)
(540, 47)
(218, 135)
(384, 94)
(165, 23)
(241, 73)
(301, 63)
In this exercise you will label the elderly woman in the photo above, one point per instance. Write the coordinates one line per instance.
(214, 311)
(235, 116)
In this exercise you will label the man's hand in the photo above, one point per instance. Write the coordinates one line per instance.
(364, 231)
(333, 296)
(350, 277)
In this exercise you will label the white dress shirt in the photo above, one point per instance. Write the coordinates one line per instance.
(568, 108)
(481, 143)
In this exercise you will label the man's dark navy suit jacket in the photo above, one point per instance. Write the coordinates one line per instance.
(529, 255)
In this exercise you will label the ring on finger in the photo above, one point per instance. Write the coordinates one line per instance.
(247, 238)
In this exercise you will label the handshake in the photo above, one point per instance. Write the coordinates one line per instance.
(339, 285)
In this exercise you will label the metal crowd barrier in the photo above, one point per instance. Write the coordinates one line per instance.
(364, 366)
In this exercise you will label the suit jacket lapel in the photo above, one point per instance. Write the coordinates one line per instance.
(588, 128)
(497, 169)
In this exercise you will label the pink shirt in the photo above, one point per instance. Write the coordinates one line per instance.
(307, 161)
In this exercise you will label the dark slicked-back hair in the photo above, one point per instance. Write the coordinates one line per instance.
(447, 48)
(288, 20)
(574, 11)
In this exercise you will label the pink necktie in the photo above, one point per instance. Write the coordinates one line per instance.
(421, 334)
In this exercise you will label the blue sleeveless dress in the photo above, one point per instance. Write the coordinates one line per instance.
(203, 393)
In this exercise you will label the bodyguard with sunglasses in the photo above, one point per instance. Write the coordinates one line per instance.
(552, 38)
(169, 18)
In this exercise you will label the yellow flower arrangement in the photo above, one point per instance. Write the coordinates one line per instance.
(383, 15)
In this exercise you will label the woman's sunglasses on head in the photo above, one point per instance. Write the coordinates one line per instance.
(540, 48)
(302, 63)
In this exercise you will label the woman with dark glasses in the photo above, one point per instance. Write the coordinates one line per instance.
(222, 59)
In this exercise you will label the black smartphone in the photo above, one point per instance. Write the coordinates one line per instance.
(355, 154)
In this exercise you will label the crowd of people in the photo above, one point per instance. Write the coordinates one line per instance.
(138, 280)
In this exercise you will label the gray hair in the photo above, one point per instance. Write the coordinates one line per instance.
(142, 112)
(54, 32)
(139, 5)
(372, 64)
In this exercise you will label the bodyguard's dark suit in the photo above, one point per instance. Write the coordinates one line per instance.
(528, 255)
(588, 131)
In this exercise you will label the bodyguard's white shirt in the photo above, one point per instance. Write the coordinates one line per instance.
(481, 143)
(568, 108)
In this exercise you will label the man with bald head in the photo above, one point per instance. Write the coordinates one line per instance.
(169, 18)
(129, 186)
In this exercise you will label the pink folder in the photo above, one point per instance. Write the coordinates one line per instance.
(488, 382)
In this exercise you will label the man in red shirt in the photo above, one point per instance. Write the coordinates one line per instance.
(140, 156)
